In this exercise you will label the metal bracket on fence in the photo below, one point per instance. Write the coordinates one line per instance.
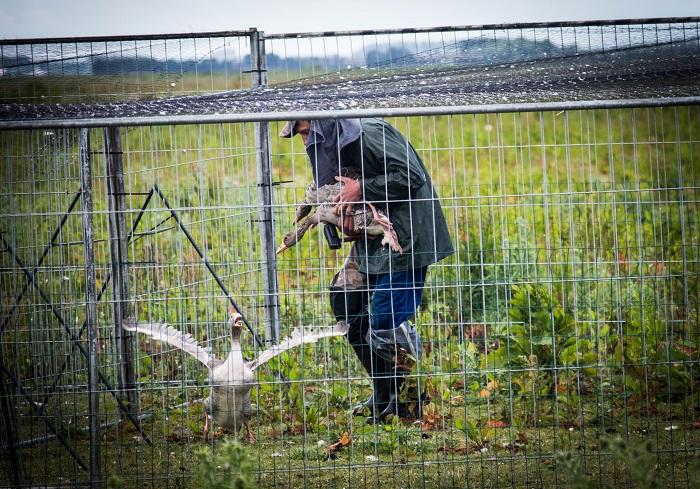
(153, 230)
(274, 184)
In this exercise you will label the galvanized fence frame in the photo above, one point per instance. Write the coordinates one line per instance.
(125, 392)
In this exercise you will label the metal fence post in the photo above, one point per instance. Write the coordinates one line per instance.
(118, 247)
(90, 307)
(264, 174)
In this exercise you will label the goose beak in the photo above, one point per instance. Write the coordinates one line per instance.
(281, 248)
(234, 316)
(236, 320)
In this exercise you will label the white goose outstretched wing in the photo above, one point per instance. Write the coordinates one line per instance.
(174, 337)
(299, 337)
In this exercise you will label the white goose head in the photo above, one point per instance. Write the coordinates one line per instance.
(235, 323)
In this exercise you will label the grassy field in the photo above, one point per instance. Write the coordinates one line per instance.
(400, 455)
(568, 315)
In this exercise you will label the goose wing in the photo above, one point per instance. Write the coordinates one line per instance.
(174, 337)
(298, 337)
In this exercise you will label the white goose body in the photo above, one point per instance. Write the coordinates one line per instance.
(228, 404)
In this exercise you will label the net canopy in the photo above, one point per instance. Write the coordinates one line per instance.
(342, 71)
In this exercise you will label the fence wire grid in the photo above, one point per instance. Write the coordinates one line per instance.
(408, 68)
(560, 339)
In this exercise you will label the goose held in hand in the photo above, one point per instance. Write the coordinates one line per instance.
(366, 218)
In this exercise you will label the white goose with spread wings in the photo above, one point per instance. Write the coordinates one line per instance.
(228, 405)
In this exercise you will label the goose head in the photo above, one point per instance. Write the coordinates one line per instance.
(289, 240)
(235, 323)
(293, 237)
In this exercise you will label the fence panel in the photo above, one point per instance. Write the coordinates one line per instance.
(561, 339)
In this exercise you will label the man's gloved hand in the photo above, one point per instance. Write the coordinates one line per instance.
(350, 194)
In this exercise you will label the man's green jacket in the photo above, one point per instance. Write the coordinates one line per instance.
(394, 178)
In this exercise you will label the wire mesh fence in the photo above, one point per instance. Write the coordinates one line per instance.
(455, 67)
(113, 69)
(566, 318)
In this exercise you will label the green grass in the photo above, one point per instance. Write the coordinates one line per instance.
(395, 455)
(577, 255)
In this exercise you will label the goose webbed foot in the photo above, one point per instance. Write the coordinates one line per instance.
(206, 427)
(390, 236)
(249, 437)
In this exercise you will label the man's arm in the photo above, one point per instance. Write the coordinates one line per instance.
(399, 182)
(397, 172)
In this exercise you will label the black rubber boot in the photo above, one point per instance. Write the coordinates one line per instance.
(387, 382)
(399, 348)
(394, 407)
(413, 401)
(376, 367)
(363, 354)
(351, 306)
(382, 380)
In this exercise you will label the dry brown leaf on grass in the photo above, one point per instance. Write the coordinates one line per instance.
(173, 437)
(490, 388)
(458, 450)
(431, 418)
(522, 438)
(297, 429)
(430, 422)
(495, 423)
(342, 442)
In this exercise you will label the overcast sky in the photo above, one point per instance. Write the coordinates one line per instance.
(49, 18)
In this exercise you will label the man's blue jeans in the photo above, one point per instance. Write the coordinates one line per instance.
(395, 297)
